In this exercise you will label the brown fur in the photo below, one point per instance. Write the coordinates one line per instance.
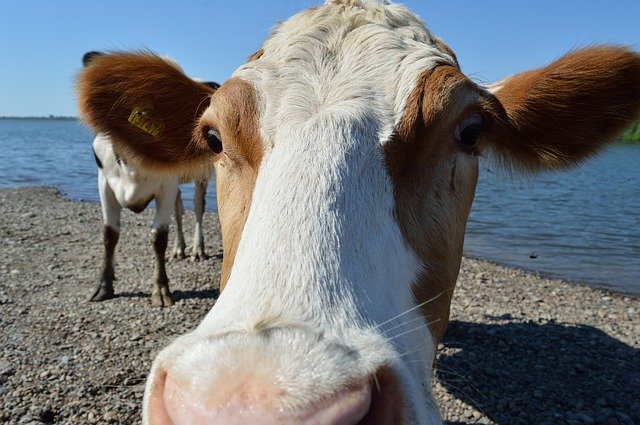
(112, 85)
(445, 48)
(431, 216)
(255, 55)
(235, 116)
(560, 114)
(550, 117)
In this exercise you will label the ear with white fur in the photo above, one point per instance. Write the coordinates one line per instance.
(560, 114)
(148, 106)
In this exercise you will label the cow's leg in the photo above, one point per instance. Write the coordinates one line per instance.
(111, 218)
(179, 244)
(165, 201)
(198, 206)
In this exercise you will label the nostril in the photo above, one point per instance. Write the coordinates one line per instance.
(154, 404)
(346, 408)
(386, 406)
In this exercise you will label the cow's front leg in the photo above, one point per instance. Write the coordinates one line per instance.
(105, 291)
(198, 253)
(179, 244)
(161, 295)
(111, 232)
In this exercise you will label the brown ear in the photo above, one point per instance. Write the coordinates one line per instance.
(148, 106)
(560, 114)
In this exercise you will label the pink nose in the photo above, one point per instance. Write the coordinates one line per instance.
(252, 403)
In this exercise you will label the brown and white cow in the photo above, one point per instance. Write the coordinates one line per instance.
(124, 185)
(346, 157)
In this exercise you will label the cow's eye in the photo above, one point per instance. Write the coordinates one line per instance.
(214, 140)
(469, 130)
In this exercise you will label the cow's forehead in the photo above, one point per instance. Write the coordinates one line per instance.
(345, 57)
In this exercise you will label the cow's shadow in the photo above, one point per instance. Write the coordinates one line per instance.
(516, 372)
(178, 295)
(204, 294)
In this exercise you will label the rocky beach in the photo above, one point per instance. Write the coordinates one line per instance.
(520, 349)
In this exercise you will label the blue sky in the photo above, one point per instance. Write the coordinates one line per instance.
(42, 42)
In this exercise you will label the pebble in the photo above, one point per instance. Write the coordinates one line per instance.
(110, 416)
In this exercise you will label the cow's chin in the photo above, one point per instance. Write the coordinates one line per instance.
(281, 375)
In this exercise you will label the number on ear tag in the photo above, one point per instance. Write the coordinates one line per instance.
(139, 118)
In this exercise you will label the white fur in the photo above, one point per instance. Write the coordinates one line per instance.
(122, 185)
(322, 258)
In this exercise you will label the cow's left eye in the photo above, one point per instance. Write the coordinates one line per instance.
(214, 141)
(469, 130)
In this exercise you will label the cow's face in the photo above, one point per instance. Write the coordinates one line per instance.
(346, 161)
(338, 214)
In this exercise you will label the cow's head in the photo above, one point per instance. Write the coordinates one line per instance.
(346, 156)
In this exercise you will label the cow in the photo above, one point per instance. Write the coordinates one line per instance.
(346, 157)
(124, 184)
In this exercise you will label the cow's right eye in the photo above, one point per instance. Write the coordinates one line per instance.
(469, 130)
(214, 140)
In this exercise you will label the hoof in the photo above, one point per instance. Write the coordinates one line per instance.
(102, 293)
(177, 254)
(199, 255)
(161, 297)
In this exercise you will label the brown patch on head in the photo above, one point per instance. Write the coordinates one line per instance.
(234, 114)
(117, 89)
(550, 117)
(433, 191)
(442, 46)
(255, 55)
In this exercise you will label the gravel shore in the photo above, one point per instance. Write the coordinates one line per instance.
(520, 348)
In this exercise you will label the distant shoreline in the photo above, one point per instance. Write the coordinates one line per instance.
(630, 137)
(48, 118)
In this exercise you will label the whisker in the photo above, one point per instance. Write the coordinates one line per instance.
(123, 386)
(416, 361)
(415, 319)
(375, 379)
(409, 353)
(450, 371)
(475, 403)
(410, 310)
(204, 99)
(412, 330)
(463, 378)
(163, 334)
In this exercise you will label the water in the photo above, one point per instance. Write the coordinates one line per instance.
(58, 154)
(581, 225)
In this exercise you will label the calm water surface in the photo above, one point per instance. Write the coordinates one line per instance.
(582, 225)
(58, 154)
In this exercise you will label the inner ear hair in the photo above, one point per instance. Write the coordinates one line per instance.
(558, 115)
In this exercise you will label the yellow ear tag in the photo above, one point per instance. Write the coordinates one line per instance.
(139, 118)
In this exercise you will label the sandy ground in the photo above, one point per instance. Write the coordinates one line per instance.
(520, 348)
